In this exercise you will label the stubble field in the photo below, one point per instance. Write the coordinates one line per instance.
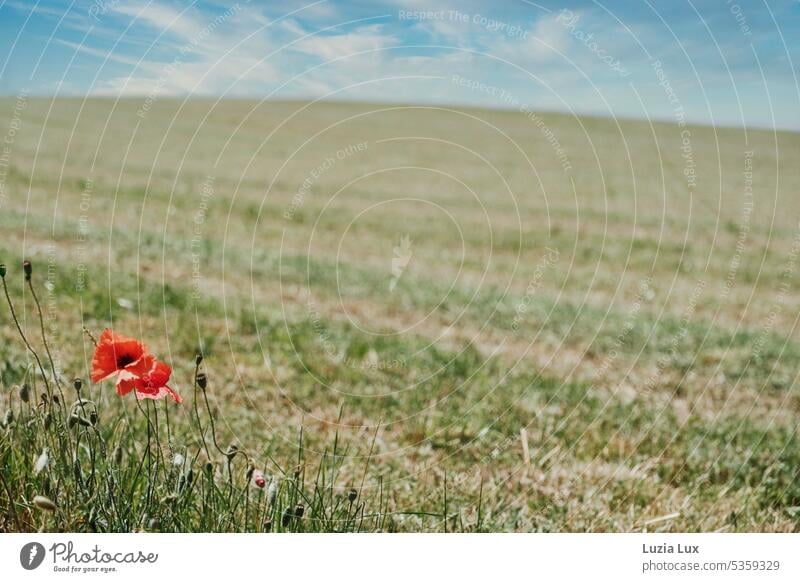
(478, 320)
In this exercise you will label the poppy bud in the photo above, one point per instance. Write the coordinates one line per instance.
(77, 383)
(3, 270)
(209, 468)
(44, 503)
(250, 470)
(231, 452)
(189, 477)
(287, 517)
(93, 417)
(258, 479)
(299, 510)
(266, 527)
(198, 359)
(352, 495)
(9, 420)
(28, 268)
(25, 393)
(48, 420)
(201, 380)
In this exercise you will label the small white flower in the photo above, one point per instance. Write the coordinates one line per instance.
(178, 459)
(41, 462)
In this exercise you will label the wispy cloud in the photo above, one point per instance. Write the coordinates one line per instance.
(354, 48)
(163, 18)
(332, 46)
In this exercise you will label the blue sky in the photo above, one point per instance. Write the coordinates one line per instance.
(714, 61)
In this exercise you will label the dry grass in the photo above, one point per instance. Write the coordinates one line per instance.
(639, 402)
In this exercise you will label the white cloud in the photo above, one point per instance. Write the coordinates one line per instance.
(329, 47)
(220, 53)
(101, 54)
(164, 18)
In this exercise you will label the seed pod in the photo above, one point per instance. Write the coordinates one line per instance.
(77, 383)
(44, 503)
(25, 393)
(28, 269)
(299, 510)
(352, 495)
(202, 380)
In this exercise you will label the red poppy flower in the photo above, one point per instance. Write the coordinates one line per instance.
(148, 378)
(134, 367)
(114, 354)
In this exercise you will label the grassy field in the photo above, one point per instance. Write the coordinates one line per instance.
(479, 320)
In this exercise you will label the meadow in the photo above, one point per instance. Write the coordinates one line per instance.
(410, 319)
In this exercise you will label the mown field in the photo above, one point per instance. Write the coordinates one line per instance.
(480, 320)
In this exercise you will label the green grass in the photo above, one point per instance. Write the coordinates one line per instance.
(635, 401)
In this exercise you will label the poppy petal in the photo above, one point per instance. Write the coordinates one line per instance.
(114, 352)
(158, 393)
(159, 374)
